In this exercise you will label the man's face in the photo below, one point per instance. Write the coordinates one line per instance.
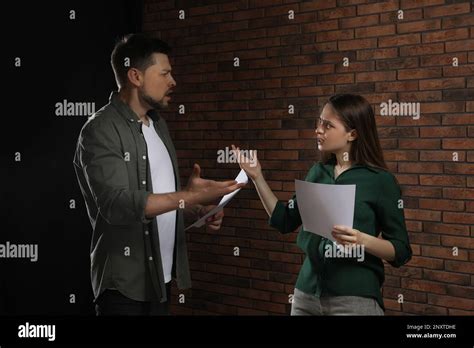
(157, 83)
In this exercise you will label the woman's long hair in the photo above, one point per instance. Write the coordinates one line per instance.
(356, 113)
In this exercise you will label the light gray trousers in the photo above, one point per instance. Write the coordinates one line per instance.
(306, 304)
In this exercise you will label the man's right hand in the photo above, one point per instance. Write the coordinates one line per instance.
(203, 191)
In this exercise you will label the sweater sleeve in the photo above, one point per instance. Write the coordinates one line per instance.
(392, 220)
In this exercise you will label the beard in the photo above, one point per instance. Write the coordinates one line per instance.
(155, 104)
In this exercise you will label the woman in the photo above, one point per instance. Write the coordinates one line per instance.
(351, 154)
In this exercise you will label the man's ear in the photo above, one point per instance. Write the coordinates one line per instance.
(134, 77)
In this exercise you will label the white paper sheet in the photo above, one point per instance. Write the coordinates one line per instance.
(241, 178)
(322, 206)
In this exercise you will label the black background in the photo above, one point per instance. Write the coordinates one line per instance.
(61, 59)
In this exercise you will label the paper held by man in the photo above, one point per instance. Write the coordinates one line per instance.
(322, 206)
(241, 178)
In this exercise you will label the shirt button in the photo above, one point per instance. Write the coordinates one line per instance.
(144, 157)
(144, 182)
(150, 258)
(146, 232)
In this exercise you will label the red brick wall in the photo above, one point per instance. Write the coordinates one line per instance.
(299, 62)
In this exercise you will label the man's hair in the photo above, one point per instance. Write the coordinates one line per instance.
(135, 51)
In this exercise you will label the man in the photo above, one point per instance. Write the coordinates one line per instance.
(127, 170)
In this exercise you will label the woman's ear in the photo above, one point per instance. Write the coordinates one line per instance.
(353, 135)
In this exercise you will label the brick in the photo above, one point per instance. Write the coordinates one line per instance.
(335, 35)
(419, 144)
(424, 285)
(421, 167)
(463, 218)
(345, 45)
(356, 66)
(456, 144)
(448, 10)
(423, 309)
(443, 59)
(337, 13)
(458, 21)
(442, 107)
(461, 242)
(320, 26)
(397, 63)
(400, 40)
(423, 215)
(317, 5)
(336, 79)
(442, 180)
(359, 21)
(449, 229)
(419, 26)
(443, 253)
(375, 31)
(460, 45)
(458, 193)
(458, 119)
(462, 70)
(426, 262)
(442, 155)
(316, 69)
(405, 4)
(375, 76)
(417, 50)
(383, 53)
(443, 83)
(459, 168)
(460, 266)
(247, 14)
(445, 35)
(444, 132)
(461, 291)
(422, 73)
(396, 86)
(379, 7)
(408, 15)
(446, 277)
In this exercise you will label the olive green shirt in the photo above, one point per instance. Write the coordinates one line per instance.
(377, 209)
(113, 172)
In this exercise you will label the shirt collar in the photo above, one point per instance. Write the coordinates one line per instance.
(329, 166)
(126, 112)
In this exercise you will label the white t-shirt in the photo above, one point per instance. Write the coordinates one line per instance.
(163, 181)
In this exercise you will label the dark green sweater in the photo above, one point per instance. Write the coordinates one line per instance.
(378, 209)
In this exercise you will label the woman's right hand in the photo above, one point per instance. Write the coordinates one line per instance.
(251, 165)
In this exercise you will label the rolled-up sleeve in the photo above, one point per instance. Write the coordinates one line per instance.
(286, 216)
(392, 220)
(103, 164)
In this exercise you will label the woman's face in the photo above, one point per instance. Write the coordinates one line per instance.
(331, 133)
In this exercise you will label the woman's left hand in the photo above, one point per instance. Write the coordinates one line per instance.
(347, 236)
(214, 222)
